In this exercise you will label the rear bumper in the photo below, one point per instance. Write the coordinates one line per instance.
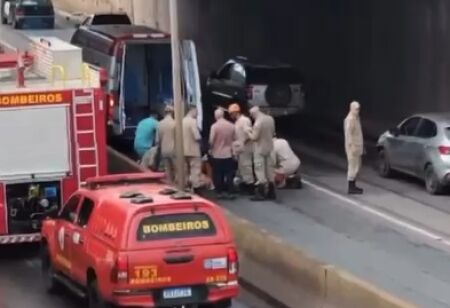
(20, 238)
(215, 294)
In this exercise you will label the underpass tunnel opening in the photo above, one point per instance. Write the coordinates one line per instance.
(392, 56)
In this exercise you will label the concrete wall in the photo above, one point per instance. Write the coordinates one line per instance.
(392, 55)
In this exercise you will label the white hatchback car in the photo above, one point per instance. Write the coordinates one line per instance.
(418, 146)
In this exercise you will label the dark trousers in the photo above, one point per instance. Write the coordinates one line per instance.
(223, 173)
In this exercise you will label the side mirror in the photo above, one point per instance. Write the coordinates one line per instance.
(394, 131)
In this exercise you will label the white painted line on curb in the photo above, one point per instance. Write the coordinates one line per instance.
(381, 214)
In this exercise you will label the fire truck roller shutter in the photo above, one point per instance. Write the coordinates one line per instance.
(34, 141)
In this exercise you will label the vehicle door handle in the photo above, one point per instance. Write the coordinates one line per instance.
(178, 259)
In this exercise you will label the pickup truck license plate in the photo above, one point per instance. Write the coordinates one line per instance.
(177, 293)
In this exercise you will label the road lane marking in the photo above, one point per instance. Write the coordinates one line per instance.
(381, 214)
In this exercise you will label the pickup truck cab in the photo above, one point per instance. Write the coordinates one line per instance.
(131, 241)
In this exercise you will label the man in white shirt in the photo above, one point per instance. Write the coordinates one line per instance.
(287, 165)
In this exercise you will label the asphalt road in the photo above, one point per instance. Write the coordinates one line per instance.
(396, 235)
(20, 285)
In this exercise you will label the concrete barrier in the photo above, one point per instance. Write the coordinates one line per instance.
(286, 273)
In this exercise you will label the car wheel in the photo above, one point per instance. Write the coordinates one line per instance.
(384, 166)
(432, 183)
(95, 299)
(48, 272)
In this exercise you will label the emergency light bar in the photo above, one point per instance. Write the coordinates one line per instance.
(121, 179)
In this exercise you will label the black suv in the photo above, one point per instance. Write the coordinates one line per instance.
(277, 88)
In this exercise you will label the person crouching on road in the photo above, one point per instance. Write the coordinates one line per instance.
(354, 146)
(262, 135)
(221, 139)
(145, 135)
(287, 165)
(243, 148)
(192, 152)
(166, 141)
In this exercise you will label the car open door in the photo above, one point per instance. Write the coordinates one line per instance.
(119, 118)
(191, 79)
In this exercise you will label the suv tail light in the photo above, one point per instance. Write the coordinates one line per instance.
(233, 262)
(249, 91)
(444, 150)
(20, 12)
(119, 272)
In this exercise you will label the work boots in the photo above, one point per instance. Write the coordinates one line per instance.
(353, 189)
(271, 194)
(260, 193)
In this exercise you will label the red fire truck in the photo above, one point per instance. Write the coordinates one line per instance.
(52, 133)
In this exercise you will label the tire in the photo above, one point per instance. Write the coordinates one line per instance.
(383, 165)
(432, 184)
(278, 95)
(48, 272)
(16, 25)
(95, 299)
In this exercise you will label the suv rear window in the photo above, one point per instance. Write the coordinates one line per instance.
(259, 75)
(173, 226)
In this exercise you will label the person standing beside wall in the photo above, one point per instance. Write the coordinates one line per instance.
(354, 146)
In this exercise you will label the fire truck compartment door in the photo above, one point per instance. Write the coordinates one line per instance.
(34, 142)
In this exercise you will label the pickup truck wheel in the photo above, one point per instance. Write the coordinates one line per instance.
(48, 272)
(95, 299)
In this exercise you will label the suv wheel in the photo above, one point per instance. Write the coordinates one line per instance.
(95, 299)
(431, 181)
(384, 166)
(48, 272)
